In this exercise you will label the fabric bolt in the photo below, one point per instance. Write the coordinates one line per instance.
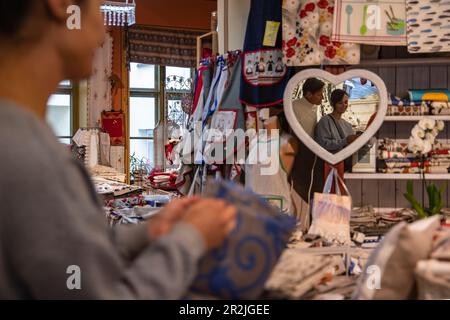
(408, 110)
(372, 22)
(264, 75)
(428, 24)
(275, 187)
(307, 30)
(429, 94)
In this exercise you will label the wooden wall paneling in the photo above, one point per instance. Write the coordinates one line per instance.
(355, 188)
(369, 188)
(369, 194)
(386, 188)
(404, 82)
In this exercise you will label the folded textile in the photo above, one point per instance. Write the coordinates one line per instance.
(408, 110)
(396, 101)
(295, 274)
(442, 111)
(394, 154)
(429, 95)
(440, 169)
(440, 152)
(392, 163)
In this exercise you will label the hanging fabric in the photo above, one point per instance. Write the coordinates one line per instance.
(163, 46)
(428, 26)
(113, 124)
(376, 22)
(307, 28)
(229, 115)
(264, 75)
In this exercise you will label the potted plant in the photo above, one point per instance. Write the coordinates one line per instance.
(423, 137)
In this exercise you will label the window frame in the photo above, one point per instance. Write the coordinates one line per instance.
(161, 95)
(73, 90)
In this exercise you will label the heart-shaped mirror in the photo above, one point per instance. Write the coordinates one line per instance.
(335, 115)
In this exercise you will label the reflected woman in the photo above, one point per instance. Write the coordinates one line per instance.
(332, 132)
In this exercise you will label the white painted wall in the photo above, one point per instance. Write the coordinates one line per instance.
(233, 16)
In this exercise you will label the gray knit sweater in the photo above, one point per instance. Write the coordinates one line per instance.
(50, 219)
(329, 136)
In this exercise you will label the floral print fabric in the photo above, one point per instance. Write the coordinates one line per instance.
(307, 29)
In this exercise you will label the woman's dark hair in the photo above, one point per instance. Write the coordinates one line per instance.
(13, 15)
(337, 96)
(312, 85)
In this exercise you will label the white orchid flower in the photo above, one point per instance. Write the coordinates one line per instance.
(418, 132)
(430, 123)
(430, 137)
(435, 132)
(422, 124)
(440, 125)
(415, 145)
(427, 147)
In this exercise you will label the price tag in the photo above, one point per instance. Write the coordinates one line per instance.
(270, 36)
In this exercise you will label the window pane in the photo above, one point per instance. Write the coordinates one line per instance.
(65, 141)
(142, 150)
(59, 114)
(178, 78)
(176, 114)
(142, 76)
(65, 83)
(142, 117)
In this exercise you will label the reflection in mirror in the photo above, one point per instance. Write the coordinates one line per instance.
(335, 115)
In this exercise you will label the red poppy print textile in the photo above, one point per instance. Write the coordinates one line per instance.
(307, 29)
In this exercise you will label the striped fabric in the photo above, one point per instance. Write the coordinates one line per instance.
(162, 46)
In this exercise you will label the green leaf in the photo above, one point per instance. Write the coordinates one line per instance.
(416, 205)
(410, 187)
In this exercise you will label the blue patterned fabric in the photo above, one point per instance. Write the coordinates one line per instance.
(241, 267)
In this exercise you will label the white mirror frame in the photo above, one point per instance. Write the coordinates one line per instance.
(335, 79)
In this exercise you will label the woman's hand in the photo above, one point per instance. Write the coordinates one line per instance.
(172, 213)
(213, 219)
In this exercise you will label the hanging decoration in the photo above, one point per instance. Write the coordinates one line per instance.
(119, 13)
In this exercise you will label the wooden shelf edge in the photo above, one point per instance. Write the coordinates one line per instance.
(415, 118)
(395, 176)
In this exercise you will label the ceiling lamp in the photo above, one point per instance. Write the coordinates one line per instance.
(119, 13)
